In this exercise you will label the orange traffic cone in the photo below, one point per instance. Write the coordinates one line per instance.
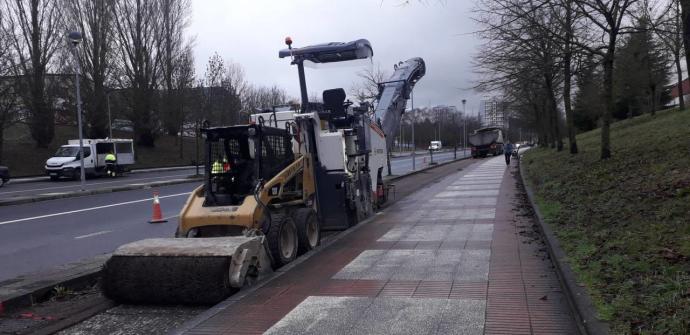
(157, 213)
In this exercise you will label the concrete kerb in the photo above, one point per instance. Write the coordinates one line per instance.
(26, 200)
(578, 298)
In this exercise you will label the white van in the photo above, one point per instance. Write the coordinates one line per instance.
(65, 162)
(435, 145)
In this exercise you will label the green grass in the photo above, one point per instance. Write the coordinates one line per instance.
(625, 222)
(24, 159)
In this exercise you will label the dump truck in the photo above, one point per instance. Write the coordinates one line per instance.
(270, 188)
(486, 141)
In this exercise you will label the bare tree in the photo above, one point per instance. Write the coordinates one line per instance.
(608, 17)
(137, 31)
(177, 63)
(666, 22)
(256, 98)
(567, 17)
(519, 52)
(34, 29)
(8, 98)
(224, 85)
(367, 89)
(94, 18)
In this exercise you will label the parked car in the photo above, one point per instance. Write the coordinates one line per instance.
(4, 175)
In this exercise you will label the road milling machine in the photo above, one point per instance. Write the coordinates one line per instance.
(269, 190)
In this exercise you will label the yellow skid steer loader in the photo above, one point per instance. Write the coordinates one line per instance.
(255, 211)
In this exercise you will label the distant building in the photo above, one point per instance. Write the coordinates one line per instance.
(492, 114)
(686, 92)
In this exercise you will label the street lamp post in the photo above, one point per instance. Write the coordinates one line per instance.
(75, 38)
(110, 120)
(414, 119)
(464, 129)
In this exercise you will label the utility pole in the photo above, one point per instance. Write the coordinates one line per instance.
(75, 38)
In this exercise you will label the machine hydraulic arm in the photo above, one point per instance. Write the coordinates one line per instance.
(393, 95)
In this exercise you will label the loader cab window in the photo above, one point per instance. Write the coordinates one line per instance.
(230, 170)
(276, 154)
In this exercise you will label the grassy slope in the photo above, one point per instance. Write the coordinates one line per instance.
(625, 222)
(24, 159)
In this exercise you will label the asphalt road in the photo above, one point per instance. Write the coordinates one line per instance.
(42, 235)
(45, 186)
(38, 236)
(399, 165)
(403, 165)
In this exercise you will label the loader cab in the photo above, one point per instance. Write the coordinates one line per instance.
(238, 157)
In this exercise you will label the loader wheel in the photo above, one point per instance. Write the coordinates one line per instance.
(308, 229)
(282, 239)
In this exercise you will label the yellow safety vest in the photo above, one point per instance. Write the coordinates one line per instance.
(110, 158)
(217, 167)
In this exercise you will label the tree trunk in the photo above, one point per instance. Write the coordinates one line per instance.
(2, 139)
(608, 100)
(653, 99)
(567, 75)
(679, 71)
(685, 14)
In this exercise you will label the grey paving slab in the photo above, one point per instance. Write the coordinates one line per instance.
(468, 213)
(455, 232)
(383, 315)
(476, 182)
(461, 265)
(322, 315)
(474, 187)
(458, 194)
(462, 317)
(460, 202)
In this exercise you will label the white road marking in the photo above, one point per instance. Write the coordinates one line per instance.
(90, 184)
(93, 234)
(92, 208)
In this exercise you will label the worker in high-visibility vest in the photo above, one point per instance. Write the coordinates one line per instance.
(217, 167)
(110, 162)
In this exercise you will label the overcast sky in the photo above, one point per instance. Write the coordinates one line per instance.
(250, 32)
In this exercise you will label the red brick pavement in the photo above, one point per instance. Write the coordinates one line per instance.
(523, 293)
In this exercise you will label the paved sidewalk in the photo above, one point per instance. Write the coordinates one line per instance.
(457, 257)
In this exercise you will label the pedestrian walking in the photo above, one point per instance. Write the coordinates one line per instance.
(508, 151)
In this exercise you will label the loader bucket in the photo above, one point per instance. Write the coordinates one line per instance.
(190, 271)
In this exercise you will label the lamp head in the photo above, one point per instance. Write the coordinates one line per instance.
(74, 37)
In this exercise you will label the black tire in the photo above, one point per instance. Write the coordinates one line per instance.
(282, 239)
(308, 229)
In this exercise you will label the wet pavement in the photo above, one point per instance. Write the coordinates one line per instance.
(460, 256)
